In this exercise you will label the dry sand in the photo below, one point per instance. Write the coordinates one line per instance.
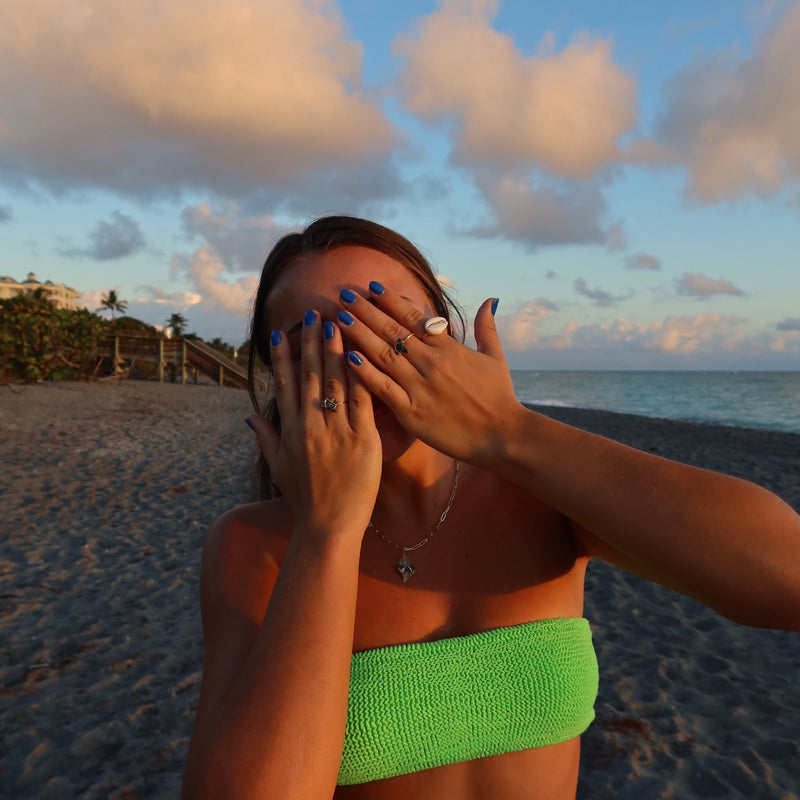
(107, 492)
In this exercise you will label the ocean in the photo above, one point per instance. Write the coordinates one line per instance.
(745, 399)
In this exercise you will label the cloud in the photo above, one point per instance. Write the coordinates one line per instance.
(538, 215)
(733, 120)
(562, 111)
(6, 214)
(240, 240)
(692, 284)
(181, 301)
(642, 261)
(118, 238)
(615, 238)
(708, 333)
(599, 297)
(143, 98)
(203, 269)
(444, 281)
(789, 324)
(521, 329)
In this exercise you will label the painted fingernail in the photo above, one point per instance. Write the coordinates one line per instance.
(327, 330)
(376, 288)
(275, 338)
(249, 424)
(354, 358)
(495, 303)
(309, 318)
(347, 296)
(345, 318)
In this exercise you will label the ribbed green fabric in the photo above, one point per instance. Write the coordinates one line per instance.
(417, 706)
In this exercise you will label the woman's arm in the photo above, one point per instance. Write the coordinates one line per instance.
(274, 697)
(273, 704)
(726, 542)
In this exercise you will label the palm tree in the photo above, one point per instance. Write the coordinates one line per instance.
(113, 302)
(178, 323)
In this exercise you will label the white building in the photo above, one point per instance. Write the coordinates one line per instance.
(63, 296)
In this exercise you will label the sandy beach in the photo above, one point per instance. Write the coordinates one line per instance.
(108, 489)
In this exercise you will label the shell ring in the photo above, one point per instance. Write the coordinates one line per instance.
(400, 345)
(331, 403)
(435, 326)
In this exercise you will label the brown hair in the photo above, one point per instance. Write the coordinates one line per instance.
(325, 234)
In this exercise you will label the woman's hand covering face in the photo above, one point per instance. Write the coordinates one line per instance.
(458, 400)
(326, 463)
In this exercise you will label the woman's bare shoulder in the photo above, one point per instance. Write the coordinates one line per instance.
(246, 542)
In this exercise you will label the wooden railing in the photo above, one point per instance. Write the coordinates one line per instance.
(184, 354)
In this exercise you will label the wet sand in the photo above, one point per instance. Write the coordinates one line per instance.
(108, 489)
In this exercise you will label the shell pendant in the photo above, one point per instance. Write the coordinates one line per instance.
(405, 568)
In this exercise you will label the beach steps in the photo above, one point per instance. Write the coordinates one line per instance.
(185, 355)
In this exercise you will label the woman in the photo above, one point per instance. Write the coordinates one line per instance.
(421, 505)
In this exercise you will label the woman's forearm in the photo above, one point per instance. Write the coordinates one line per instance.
(726, 542)
(280, 730)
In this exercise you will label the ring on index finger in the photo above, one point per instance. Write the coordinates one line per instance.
(400, 345)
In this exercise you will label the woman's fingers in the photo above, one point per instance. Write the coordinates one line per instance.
(283, 377)
(400, 311)
(311, 363)
(377, 383)
(381, 351)
(360, 396)
(335, 377)
(486, 331)
(269, 441)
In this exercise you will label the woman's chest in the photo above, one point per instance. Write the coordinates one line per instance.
(502, 560)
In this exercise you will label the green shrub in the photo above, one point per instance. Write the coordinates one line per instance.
(39, 342)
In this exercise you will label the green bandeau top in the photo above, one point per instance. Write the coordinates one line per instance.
(422, 705)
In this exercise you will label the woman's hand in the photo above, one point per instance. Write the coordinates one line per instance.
(326, 462)
(458, 400)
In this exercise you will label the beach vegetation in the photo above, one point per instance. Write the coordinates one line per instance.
(178, 323)
(243, 357)
(113, 302)
(224, 348)
(39, 342)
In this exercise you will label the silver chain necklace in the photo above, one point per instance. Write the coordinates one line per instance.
(404, 565)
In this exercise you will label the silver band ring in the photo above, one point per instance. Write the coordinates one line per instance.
(435, 326)
(331, 403)
(400, 344)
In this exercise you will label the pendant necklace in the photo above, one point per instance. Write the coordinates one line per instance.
(404, 565)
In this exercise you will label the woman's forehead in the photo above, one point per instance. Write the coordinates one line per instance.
(323, 275)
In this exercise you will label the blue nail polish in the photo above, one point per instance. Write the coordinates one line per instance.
(275, 338)
(495, 303)
(347, 296)
(309, 318)
(376, 288)
(249, 425)
(327, 330)
(354, 358)
(345, 318)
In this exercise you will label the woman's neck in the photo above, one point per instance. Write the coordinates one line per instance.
(414, 490)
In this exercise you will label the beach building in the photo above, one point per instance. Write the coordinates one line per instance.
(61, 294)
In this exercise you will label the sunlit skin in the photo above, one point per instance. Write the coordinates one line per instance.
(291, 587)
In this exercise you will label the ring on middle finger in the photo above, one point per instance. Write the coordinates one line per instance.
(400, 345)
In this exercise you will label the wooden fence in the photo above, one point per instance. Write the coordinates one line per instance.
(184, 354)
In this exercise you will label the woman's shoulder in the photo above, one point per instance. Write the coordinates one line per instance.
(248, 537)
(514, 500)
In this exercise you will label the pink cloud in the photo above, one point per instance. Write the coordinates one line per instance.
(562, 111)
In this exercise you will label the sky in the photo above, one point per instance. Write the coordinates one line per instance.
(624, 176)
